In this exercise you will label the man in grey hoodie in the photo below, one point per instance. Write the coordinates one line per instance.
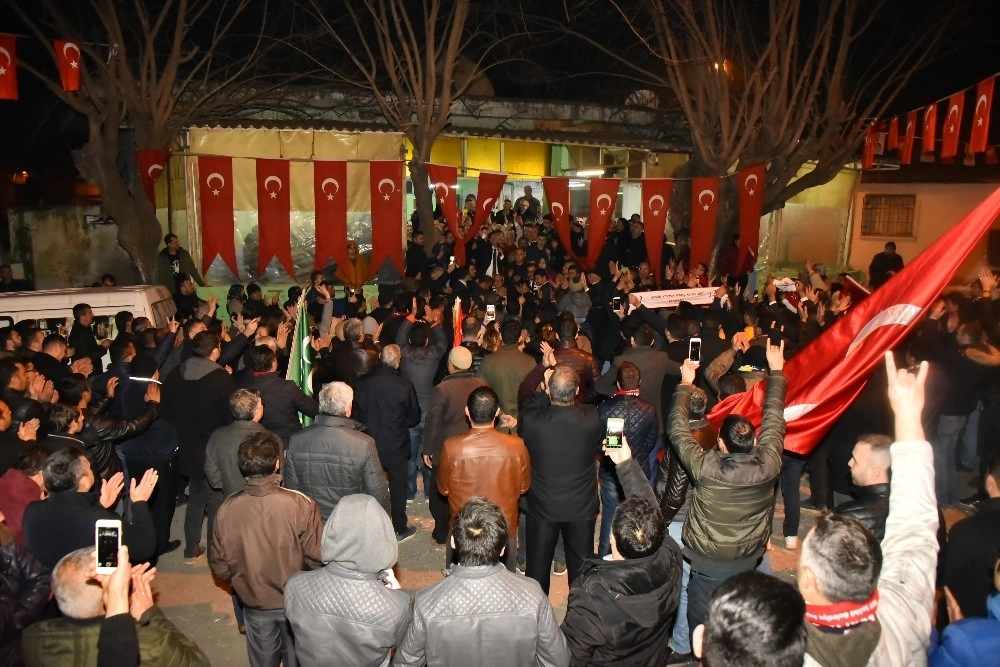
(348, 612)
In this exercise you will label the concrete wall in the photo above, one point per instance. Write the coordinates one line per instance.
(939, 206)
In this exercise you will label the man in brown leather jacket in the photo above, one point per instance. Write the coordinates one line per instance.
(585, 364)
(485, 462)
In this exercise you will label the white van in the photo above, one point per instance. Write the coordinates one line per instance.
(53, 308)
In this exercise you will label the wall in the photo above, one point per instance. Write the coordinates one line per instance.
(939, 206)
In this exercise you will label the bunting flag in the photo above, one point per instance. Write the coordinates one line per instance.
(751, 182)
(557, 194)
(488, 194)
(603, 198)
(892, 141)
(929, 135)
(868, 151)
(444, 181)
(151, 166)
(952, 125)
(68, 59)
(8, 67)
(981, 117)
(655, 205)
(909, 138)
(704, 209)
(828, 374)
(387, 214)
(274, 216)
(215, 191)
(330, 196)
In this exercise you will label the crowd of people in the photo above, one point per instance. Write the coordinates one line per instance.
(499, 419)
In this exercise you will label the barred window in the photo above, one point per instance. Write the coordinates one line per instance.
(888, 215)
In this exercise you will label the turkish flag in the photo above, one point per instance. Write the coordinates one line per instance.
(827, 374)
(952, 125)
(704, 210)
(215, 192)
(751, 183)
(557, 194)
(330, 195)
(488, 194)
(981, 118)
(603, 197)
(868, 151)
(274, 216)
(68, 59)
(445, 187)
(8, 67)
(892, 141)
(387, 213)
(929, 135)
(909, 138)
(655, 205)
(151, 166)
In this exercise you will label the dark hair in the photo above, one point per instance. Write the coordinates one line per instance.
(204, 343)
(31, 460)
(168, 238)
(52, 340)
(844, 556)
(119, 349)
(628, 376)
(644, 335)
(566, 329)
(483, 404)
(79, 309)
(189, 326)
(754, 620)
(72, 387)
(480, 532)
(890, 244)
(63, 470)
(563, 384)
(510, 331)
(698, 404)
(261, 358)
(471, 326)
(737, 433)
(419, 334)
(731, 383)
(258, 454)
(677, 326)
(637, 527)
(8, 369)
(122, 318)
(61, 416)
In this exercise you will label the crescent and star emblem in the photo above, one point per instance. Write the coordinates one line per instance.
(649, 203)
(747, 186)
(336, 188)
(441, 190)
(70, 46)
(154, 167)
(488, 204)
(268, 181)
(701, 199)
(222, 182)
(562, 209)
(900, 313)
(981, 101)
(392, 188)
(3, 68)
(951, 127)
(604, 209)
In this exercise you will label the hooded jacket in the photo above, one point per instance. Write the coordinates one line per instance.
(343, 614)
(619, 611)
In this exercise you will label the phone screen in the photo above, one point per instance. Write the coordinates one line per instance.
(491, 313)
(694, 351)
(616, 302)
(451, 260)
(107, 546)
(616, 427)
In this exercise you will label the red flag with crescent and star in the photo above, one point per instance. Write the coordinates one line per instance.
(330, 196)
(386, 177)
(868, 151)
(603, 197)
(655, 206)
(704, 209)
(274, 215)
(215, 192)
(487, 195)
(151, 166)
(826, 376)
(929, 135)
(909, 139)
(952, 125)
(981, 117)
(444, 180)
(751, 183)
(8, 67)
(892, 141)
(68, 58)
(557, 194)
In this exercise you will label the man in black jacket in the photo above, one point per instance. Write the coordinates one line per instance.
(387, 404)
(82, 339)
(870, 465)
(619, 610)
(283, 400)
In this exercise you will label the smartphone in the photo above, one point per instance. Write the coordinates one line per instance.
(108, 537)
(616, 303)
(616, 427)
(491, 313)
(774, 336)
(694, 351)
(451, 260)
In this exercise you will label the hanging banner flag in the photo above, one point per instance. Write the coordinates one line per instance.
(387, 214)
(557, 194)
(488, 194)
(603, 197)
(929, 135)
(909, 138)
(151, 166)
(444, 184)
(981, 117)
(952, 125)
(330, 196)
(68, 59)
(892, 141)
(215, 192)
(751, 183)
(704, 209)
(655, 205)
(868, 150)
(8, 67)
(274, 216)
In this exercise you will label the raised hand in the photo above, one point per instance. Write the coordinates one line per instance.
(111, 489)
(141, 599)
(776, 356)
(619, 455)
(906, 396)
(144, 489)
(688, 371)
(740, 342)
(112, 386)
(987, 279)
(548, 355)
(152, 393)
(83, 366)
(28, 430)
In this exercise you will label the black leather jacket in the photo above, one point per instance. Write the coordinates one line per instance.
(24, 590)
(870, 506)
(102, 433)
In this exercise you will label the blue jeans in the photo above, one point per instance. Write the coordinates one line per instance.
(612, 496)
(680, 640)
(417, 462)
(945, 443)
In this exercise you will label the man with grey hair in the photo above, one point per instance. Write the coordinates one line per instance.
(387, 404)
(79, 632)
(221, 465)
(334, 458)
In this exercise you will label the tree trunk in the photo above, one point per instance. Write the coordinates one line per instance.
(424, 199)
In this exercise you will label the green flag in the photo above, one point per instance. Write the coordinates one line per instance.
(300, 360)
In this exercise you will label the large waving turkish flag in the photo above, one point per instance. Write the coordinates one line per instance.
(827, 375)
